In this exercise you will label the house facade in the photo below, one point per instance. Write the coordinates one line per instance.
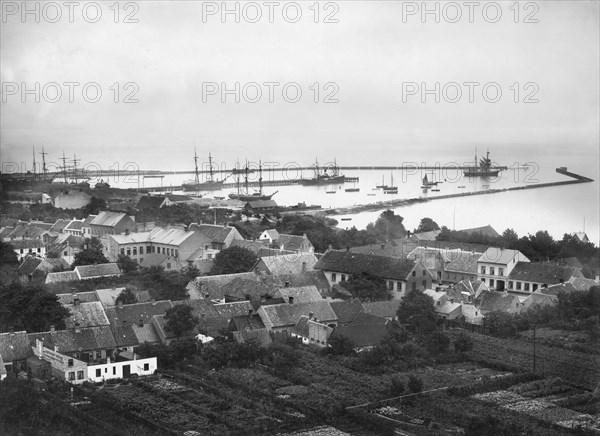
(108, 223)
(495, 265)
(530, 276)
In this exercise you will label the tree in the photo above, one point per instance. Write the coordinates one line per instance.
(414, 385)
(397, 387)
(180, 319)
(31, 308)
(437, 343)
(8, 255)
(427, 225)
(500, 324)
(417, 311)
(233, 260)
(388, 226)
(463, 343)
(510, 238)
(126, 264)
(367, 287)
(91, 255)
(94, 206)
(340, 345)
(126, 297)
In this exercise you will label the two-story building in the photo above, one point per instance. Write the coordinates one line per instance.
(220, 237)
(108, 223)
(495, 265)
(529, 276)
(400, 275)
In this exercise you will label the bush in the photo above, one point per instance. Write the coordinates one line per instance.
(415, 384)
(437, 343)
(463, 343)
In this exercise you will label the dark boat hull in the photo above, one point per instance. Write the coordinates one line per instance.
(479, 173)
(250, 197)
(323, 181)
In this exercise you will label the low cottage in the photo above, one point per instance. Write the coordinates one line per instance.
(283, 317)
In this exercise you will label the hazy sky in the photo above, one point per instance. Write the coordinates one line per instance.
(368, 54)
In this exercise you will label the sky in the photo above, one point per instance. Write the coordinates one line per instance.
(365, 65)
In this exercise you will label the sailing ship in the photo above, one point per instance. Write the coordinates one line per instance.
(245, 195)
(70, 174)
(391, 189)
(383, 185)
(484, 169)
(427, 183)
(325, 175)
(209, 185)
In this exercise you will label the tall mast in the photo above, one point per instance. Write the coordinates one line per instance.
(197, 179)
(44, 169)
(260, 177)
(64, 159)
(246, 177)
(34, 162)
(75, 160)
(210, 167)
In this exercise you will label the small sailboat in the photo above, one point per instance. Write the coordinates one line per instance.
(391, 189)
(330, 192)
(383, 185)
(353, 189)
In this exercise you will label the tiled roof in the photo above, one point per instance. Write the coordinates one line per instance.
(260, 337)
(290, 263)
(146, 333)
(346, 311)
(157, 259)
(28, 231)
(150, 202)
(89, 314)
(100, 270)
(15, 346)
(231, 310)
(301, 294)
(500, 256)
(467, 290)
(390, 249)
(177, 198)
(540, 299)
(447, 307)
(306, 278)
(214, 233)
(383, 309)
(301, 327)
(53, 265)
(253, 246)
(29, 265)
(484, 230)
(73, 340)
(108, 219)
(282, 315)
(255, 291)
(462, 262)
(64, 276)
(272, 233)
(84, 297)
(290, 242)
(133, 313)
(27, 243)
(357, 263)
(431, 259)
(59, 225)
(261, 204)
(251, 322)
(583, 284)
(74, 225)
(125, 336)
(108, 296)
(491, 301)
(550, 273)
(567, 288)
(435, 295)
(212, 286)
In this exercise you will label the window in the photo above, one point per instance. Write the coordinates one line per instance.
(483, 270)
(333, 277)
(491, 282)
(527, 286)
(65, 253)
(146, 367)
(114, 370)
(72, 376)
(414, 286)
(424, 272)
(168, 265)
(424, 283)
(70, 362)
(142, 249)
(390, 285)
(500, 271)
(135, 251)
(483, 280)
(176, 253)
(492, 271)
(343, 279)
(79, 375)
(129, 252)
(148, 248)
(414, 273)
(518, 286)
(510, 284)
(98, 372)
(535, 286)
(209, 256)
(98, 354)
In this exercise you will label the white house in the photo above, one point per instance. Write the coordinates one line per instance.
(495, 265)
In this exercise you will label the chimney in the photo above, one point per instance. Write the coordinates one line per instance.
(249, 313)
(52, 329)
(303, 266)
(382, 246)
(291, 300)
(76, 301)
(141, 323)
(311, 315)
(347, 249)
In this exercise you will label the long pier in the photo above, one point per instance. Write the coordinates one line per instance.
(406, 202)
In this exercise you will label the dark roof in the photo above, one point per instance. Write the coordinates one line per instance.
(260, 337)
(347, 310)
(214, 233)
(75, 225)
(102, 269)
(484, 230)
(554, 290)
(252, 290)
(362, 335)
(59, 225)
(15, 346)
(261, 204)
(294, 263)
(72, 340)
(150, 202)
(383, 309)
(282, 315)
(358, 263)
(384, 249)
(29, 265)
(467, 290)
(550, 273)
(583, 284)
(306, 278)
(300, 294)
(108, 219)
(84, 297)
(462, 262)
(491, 301)
(89, 314)
(253, 246)
(243, 322)
(176, 197)
(301, 327)
(133, 313)
(407, 245)
(212, 286)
